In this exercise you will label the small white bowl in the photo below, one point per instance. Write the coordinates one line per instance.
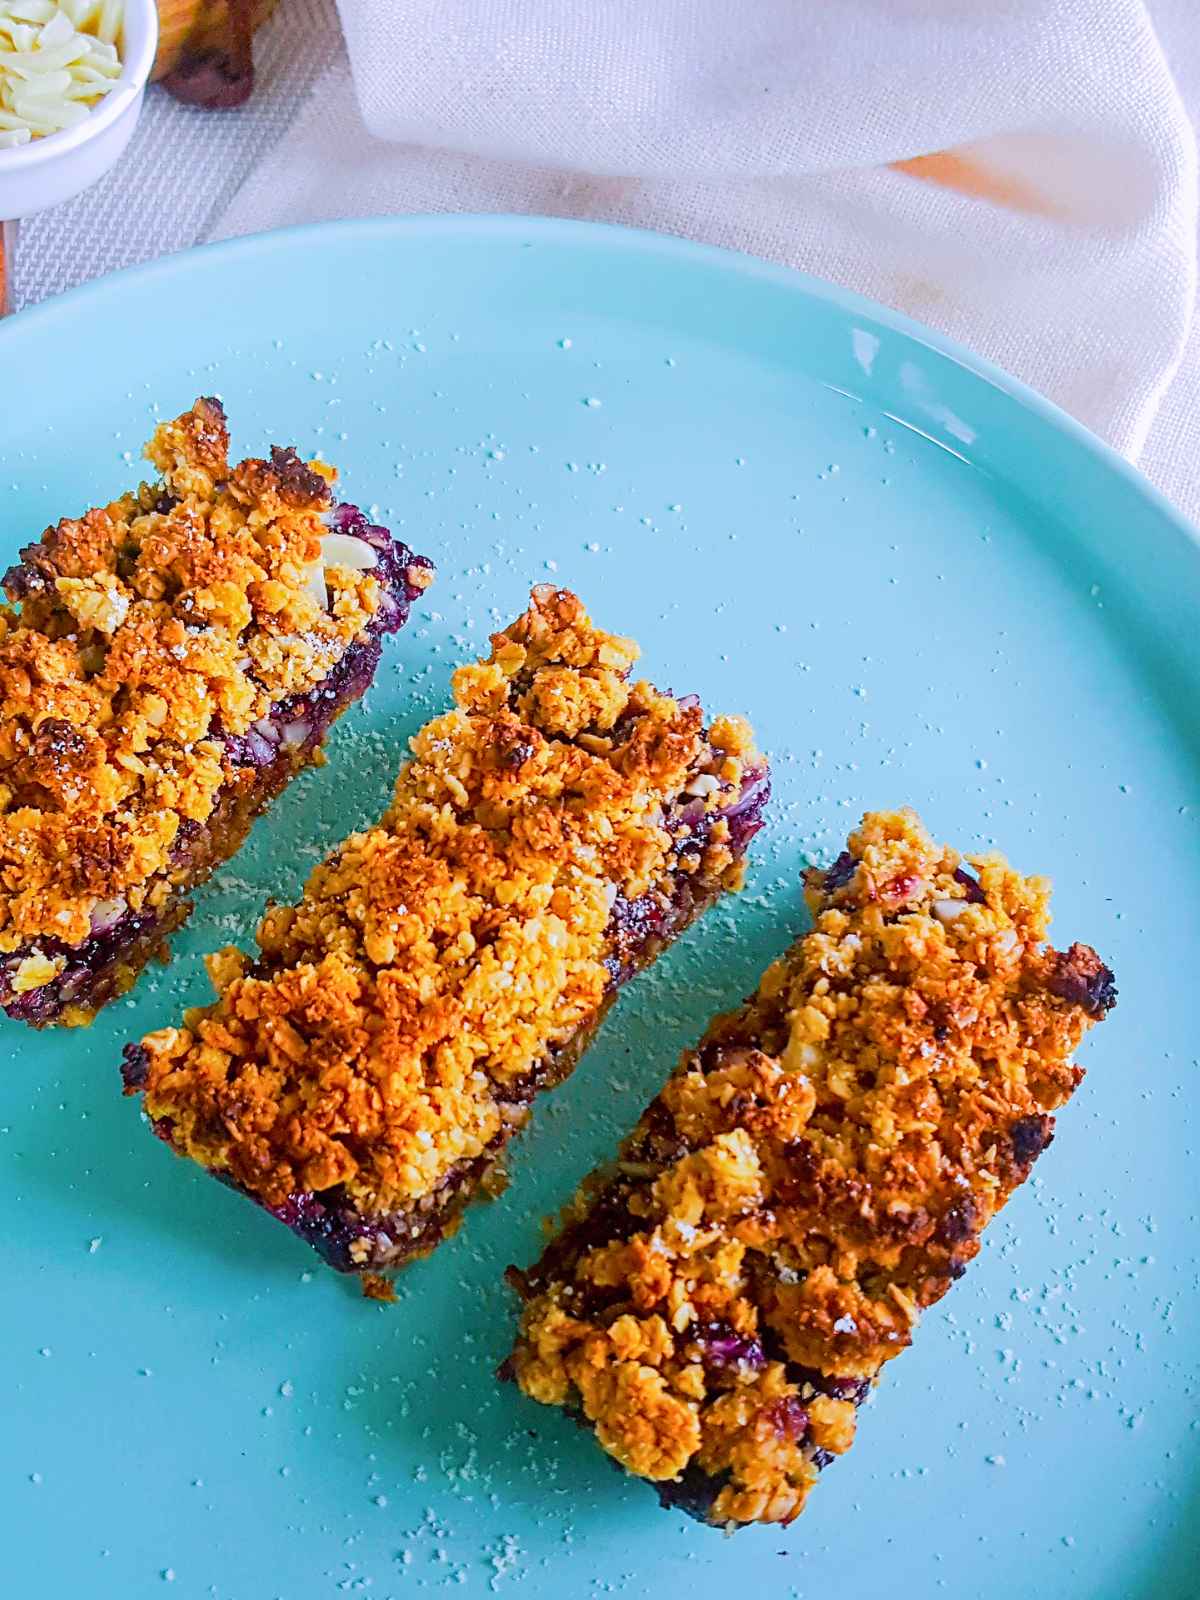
(47, 171)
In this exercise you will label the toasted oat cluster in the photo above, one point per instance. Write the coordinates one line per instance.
(816, 1172)
(146, 648)
(547, 836)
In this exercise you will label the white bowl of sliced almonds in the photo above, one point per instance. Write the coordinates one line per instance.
(72, 77)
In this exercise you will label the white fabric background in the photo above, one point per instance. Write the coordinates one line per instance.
(771, 140)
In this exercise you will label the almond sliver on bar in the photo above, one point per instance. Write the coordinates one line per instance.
(549, 836)
(717, 1303)
(167, 666)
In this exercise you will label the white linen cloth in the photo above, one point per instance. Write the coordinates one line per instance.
(1045, 214)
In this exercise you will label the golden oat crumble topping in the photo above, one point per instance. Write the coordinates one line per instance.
(436, 958)
(146, 627)
(814, 1174)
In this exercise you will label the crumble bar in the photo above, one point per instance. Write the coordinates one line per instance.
(549, 836)
(168, 663)
(717, 1304)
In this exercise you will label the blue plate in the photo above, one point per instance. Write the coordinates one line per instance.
(925, 585)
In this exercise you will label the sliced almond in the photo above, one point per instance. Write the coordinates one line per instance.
(106, 913)
(946, 911)
(344, 550)
(704, 785)
(314, 584)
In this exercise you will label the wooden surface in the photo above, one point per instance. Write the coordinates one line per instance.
(196, 25)
(8, 238)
